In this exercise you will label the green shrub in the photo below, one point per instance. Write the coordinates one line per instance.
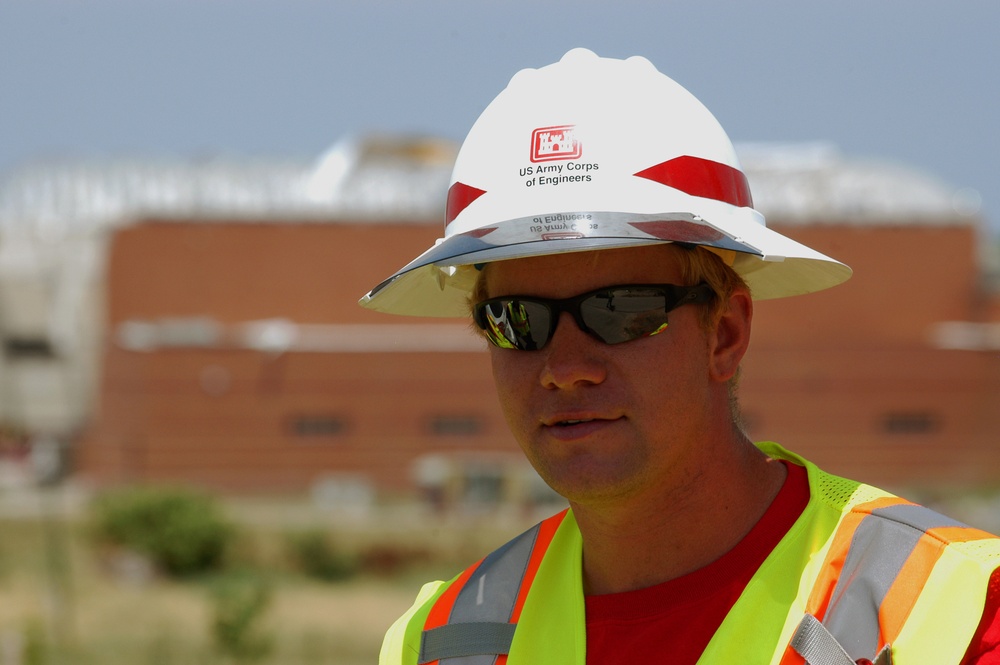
(36, 650)
(183, 532)
(240, 603)
(391, 559)
(316, 556)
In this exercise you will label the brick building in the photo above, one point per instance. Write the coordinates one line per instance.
(235, 355)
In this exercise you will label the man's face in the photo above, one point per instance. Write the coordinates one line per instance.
(602, 422)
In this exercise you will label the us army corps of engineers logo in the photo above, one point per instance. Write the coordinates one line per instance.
(553, 143)
(555, 153)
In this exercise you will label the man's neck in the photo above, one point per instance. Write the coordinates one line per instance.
(641, 541)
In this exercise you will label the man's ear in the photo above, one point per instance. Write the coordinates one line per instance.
(730, 336)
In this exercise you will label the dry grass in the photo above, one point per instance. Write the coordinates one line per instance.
(98, 618)
(64, 601)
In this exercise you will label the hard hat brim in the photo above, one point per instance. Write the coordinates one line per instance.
(439, 281)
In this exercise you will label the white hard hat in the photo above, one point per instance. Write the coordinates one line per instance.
(594, 153)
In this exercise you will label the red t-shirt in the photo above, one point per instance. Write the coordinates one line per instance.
(679, 617)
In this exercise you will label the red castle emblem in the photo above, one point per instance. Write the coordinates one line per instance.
(554, 143)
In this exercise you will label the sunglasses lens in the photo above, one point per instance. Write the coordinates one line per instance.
(515, 324)
(621, 315)
(613, 315)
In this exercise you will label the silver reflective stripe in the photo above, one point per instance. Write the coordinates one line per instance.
(491, 592)
(881, 545)
(918, 517)
(467, 643)
(479, 627)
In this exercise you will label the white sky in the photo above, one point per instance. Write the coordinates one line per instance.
(917, 81)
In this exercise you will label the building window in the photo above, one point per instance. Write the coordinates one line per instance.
(25, 348)
(910, 422)
(316, 426)
(484, 486)
(453, 425)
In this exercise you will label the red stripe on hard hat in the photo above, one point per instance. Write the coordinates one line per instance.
(702, 177)
(460, 196)
(678, 231)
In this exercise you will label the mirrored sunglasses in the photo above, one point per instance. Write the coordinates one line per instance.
(613, 314)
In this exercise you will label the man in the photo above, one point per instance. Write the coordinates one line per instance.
(601, 232)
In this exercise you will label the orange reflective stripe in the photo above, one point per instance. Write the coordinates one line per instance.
(959, 534)
(545, 534)
(791, 658)
(910, 582)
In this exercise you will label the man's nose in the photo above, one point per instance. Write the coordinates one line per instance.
(572, 357)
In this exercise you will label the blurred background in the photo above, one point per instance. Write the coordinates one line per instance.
(210, 454)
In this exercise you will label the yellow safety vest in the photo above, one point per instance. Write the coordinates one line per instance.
(861, 575)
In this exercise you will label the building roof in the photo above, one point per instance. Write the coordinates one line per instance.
(814, 183)
(406, 178)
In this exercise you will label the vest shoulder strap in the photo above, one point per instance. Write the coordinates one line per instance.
(475, 618)
(882, 556)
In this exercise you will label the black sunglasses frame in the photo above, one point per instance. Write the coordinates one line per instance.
(674, 297)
